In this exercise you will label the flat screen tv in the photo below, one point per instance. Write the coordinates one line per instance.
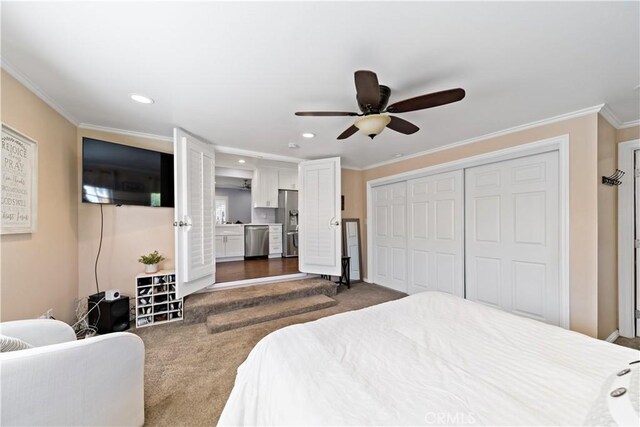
(122, 175)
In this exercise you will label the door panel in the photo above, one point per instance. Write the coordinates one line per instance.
(320, 217)
(435, 233)
(512, 242)
(390, 237)
(194, 164)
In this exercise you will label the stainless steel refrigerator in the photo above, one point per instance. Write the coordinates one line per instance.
(287, 215)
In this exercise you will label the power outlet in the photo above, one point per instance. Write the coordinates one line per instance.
(47, 314)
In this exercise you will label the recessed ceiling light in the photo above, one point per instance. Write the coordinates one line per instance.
(397, 155)
(241, 161)
(141, 98)
(308, 135)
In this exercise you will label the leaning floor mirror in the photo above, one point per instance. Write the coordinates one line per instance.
(351, 247)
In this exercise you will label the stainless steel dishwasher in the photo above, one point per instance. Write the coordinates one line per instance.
(256, 241)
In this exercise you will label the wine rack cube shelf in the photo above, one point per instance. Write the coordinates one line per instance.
(156, 300)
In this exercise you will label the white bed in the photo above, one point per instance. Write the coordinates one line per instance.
(430, 358)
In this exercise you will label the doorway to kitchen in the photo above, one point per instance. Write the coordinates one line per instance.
(256, 220)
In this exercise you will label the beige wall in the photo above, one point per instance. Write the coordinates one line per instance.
(129, 231)
(628, 134)
(607, 231)
(39, 271)
(583, 152)
(354, 206)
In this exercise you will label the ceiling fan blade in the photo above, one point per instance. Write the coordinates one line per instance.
(325, 113)
(347, 133)
(402, 126)
(367, 88)
(427, 101)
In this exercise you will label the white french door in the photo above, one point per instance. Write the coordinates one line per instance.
(637, 199)
(194, 169)
(320, 236)
(436, 233)
(512, 236)
(390, 236)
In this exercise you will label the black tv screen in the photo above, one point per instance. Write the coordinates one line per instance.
(123, 175)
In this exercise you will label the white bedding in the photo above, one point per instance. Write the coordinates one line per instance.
(430, 358)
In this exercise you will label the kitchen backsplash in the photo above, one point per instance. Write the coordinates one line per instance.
(263, 216)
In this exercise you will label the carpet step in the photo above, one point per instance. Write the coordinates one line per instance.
(199, 306)
(250, 316)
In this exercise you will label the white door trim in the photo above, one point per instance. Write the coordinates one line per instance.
(626, 291)
(559, 143)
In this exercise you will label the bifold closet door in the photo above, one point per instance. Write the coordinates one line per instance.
(436, 233)
(511, 242)
(390, 236)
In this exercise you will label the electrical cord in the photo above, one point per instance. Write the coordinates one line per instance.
(95, 267)
(87, 313)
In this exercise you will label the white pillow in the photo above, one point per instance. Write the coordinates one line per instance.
(619, 401)
(12, 344)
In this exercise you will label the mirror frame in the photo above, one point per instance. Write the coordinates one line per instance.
(344, 243)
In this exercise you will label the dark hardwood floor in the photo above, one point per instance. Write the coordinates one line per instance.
(251, 269)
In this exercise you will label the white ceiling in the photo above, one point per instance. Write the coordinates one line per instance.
(235, 72)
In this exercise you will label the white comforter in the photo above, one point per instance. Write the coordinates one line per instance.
(430, 358)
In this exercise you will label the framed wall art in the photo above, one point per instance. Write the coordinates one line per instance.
(19, 186)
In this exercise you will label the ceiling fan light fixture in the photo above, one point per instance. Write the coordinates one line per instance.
(372, 124)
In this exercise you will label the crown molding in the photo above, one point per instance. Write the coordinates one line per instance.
(537, 123)
(125, 132)
(629, 124)
(613, 120)
(608, 114)
(35, 89)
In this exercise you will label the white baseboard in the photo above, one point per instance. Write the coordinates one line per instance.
(614, 336)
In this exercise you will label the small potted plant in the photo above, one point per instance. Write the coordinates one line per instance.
(151, 261)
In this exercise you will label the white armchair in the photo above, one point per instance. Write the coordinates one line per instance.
(64, 381)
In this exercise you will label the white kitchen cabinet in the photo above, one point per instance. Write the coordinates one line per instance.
(229, 242)
(234, 246)
(288, 179)
(264, 188)
(275, 240)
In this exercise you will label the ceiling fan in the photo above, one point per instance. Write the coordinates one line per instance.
(372, 100)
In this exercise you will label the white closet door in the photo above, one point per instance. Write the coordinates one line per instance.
(435, 237)
(194, 164)
(390, 236)
(320, 235)
(512, 242)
